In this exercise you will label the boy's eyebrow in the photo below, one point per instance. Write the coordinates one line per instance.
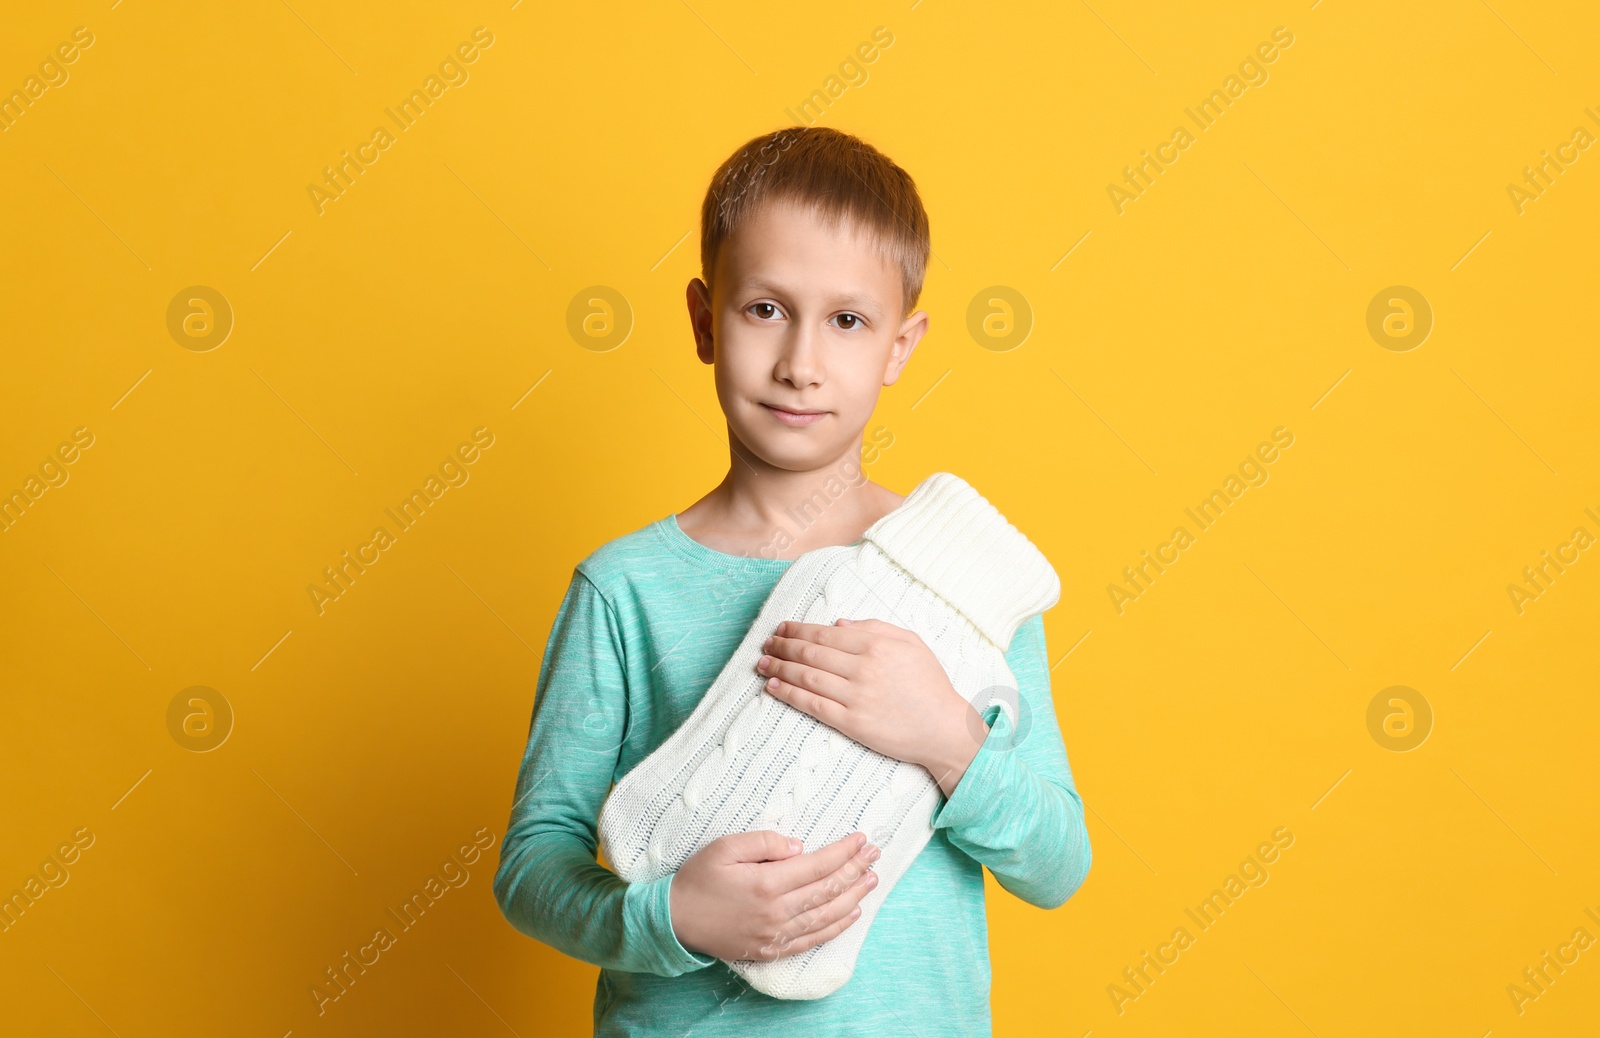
(864, 303)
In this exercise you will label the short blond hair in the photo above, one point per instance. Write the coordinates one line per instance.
(837, 174)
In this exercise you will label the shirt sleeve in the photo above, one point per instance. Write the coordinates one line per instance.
(550, 884)
(1016, 808)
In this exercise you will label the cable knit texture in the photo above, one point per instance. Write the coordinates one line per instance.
(946, 565)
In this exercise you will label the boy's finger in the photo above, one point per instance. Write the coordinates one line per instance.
(811, 866)
(825, 901)
(810, 940)
(759, 845)
(842, 639)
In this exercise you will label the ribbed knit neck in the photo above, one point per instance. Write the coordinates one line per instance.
(949, 537)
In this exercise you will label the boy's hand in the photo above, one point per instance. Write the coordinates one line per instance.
(748, 896)
(879, 684)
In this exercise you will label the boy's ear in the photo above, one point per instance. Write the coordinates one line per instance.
(698, 296)
(911, 333)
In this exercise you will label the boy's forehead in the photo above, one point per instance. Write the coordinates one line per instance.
(784, 249)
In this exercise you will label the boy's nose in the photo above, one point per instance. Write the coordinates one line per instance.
(798, 363)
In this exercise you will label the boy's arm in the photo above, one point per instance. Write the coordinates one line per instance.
(550, 885)
(1016, 809)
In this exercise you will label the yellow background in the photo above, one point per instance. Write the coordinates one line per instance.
(371, 741)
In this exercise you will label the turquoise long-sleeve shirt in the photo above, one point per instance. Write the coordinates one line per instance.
(647, 623)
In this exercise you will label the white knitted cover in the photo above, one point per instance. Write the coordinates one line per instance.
(945, 564)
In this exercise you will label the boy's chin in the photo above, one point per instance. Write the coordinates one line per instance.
(794, 456)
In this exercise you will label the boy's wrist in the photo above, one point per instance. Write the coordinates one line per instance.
(676, 931)
(675, 913)
(949, 761)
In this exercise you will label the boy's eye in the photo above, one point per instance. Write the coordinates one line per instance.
(768, 306)
(856, 321)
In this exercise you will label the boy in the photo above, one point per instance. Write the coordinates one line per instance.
(813, 250)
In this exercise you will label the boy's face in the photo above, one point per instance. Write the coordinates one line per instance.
(804, 317)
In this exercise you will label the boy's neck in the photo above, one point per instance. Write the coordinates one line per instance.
(782, 515)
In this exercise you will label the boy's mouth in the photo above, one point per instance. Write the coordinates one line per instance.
(795, 418)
